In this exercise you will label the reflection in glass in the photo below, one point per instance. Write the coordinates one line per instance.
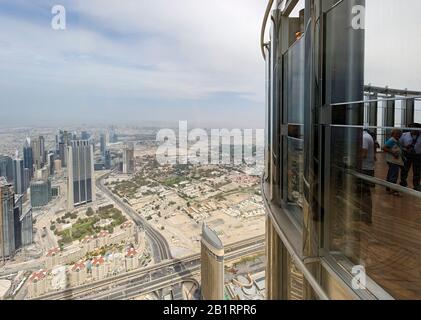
(389, 245)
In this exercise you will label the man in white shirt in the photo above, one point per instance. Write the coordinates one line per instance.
(368, 165)
(369, 154)
(411, 143)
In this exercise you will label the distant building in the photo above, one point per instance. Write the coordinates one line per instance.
(17, 212)
(57, 166)
(27, 231)
(80, 173)
(103, 144)
(27, 178)
(212, 265)
(42, 154)
(38, 284)
(55, 191)
(36, 153)
(78, 274)
(99, 268)
(132, 259)
(42, 174)
(28, 160)
(62, 153)
(107, 160)
(41, 193)
(99, 166)
(6, 167)
(128, 159)
(85, 135)
(62, 142)
(51, 164)
(19, 176)
(7, 220)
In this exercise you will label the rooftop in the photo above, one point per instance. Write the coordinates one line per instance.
(211, 237)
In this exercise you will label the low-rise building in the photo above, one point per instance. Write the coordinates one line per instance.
(132, 259)
(53, 258)
(99, 268)
(38, 284)
(78, 274)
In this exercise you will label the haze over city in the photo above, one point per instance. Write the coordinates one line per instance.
(232, 150)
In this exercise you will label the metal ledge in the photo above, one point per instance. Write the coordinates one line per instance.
(290, 237)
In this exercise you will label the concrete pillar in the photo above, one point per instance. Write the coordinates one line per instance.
(408, 112)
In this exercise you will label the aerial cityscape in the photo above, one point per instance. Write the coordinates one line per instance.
(95, 208)
(190, 157)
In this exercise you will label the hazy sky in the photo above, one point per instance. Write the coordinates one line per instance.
(135, 61)
(132, 61)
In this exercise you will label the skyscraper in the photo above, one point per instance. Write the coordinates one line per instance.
(107, 160)
(212, 265)
(6, 167)
(7, 226)
(128, 159)
(103, 144)
(50, 163)
(80, 173)
(36, 154)
(28, 160)
(42, 152)
(41, 193)
(62, 141)
(19, 176)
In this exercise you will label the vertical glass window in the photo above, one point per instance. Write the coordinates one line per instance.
(294, 98)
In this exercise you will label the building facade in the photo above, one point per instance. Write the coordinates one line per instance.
(19, 181)
(7, 220)
(212, 265)
(80, 173)
(128, 159)
(36, 153)
(335, 226)
(6, 167)
(103, 144)
(41, 193)
(28, 160)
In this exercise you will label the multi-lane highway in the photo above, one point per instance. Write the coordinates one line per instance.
(152, 278)
(160, 248)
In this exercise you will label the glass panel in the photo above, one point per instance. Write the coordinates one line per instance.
(295, 82)
(344, 56)
(371, 222)
(295, 171)
(294, 98)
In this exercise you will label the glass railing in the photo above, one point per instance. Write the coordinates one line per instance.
(373, 205)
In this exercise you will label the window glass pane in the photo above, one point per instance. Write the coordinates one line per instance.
(373, 223)
(294, 97)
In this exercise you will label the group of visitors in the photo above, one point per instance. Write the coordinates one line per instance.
(403, 152)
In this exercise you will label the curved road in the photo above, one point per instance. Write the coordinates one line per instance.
(160, 248)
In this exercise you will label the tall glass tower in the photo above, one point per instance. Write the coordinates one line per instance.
(80, 173)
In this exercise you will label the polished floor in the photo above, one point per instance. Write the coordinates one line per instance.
(389, 247)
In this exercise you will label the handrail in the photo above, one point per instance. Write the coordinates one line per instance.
(263, 29)
(375, 100)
